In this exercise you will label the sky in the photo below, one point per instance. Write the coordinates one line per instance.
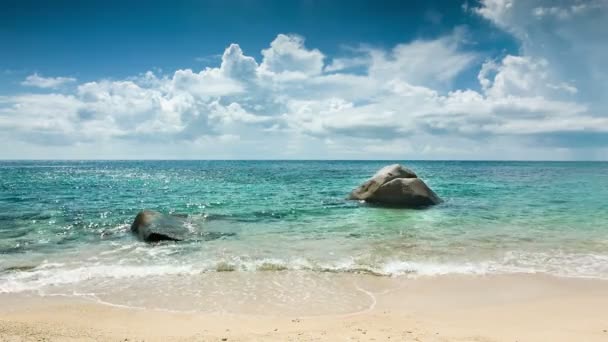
(245, 79)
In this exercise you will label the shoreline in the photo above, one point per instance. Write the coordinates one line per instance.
(515, 307)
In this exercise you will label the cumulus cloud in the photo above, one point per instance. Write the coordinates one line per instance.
(292, 104)
(520, 76)
(287, 55)
(39, 81)
(236, 65)
(570, 36)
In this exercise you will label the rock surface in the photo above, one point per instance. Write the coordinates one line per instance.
(395, 185)
(151, 226)
(383, 176)
(405, 192)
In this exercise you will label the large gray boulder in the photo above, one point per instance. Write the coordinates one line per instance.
(151, 226)
(383, 176)
(395, 185)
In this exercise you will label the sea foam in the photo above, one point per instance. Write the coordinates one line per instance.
(66, 275)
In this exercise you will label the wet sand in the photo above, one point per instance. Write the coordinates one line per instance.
(443, 308)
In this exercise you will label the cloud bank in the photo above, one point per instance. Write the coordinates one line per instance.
(297, 102)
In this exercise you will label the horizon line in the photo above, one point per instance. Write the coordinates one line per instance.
(328, 160)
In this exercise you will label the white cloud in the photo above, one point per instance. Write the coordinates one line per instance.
(340, 64)
(237, 65)
(288, 55)
(233, 113)
(498, 11)
(210, 82)
(569, 35)
(567, 11)
(39, 81)
(520, 76)
(423, 62)
(53, 112)
(399, 103)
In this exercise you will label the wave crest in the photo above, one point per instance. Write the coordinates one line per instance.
(20, 279)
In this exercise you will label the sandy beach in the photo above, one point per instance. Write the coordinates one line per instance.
(444, 308)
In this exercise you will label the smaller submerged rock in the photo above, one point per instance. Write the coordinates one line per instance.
(395, 185)
(152, 226)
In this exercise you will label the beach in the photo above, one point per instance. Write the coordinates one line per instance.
(443, 308)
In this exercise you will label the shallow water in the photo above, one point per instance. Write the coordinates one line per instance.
(64, 224)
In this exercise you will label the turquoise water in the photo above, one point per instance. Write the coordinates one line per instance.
(65, 223)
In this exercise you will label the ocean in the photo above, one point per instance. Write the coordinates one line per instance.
(64, 225)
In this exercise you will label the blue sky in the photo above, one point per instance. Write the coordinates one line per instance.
(490, 79)
(116, 39)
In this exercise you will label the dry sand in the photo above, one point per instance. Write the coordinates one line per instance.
(445, 308)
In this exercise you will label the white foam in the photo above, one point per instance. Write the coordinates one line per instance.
(410, 268)
(46, 276)
(556, 263)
